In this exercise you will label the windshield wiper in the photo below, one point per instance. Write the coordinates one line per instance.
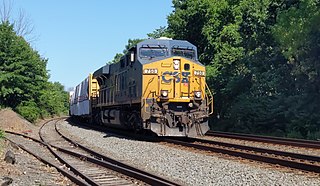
(163, 49)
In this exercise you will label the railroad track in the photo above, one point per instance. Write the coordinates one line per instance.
(80, 164)
(42, 152)
(286, 159)
(267, 139)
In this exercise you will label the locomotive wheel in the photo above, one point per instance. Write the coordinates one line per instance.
(135, 121)
(97, 118)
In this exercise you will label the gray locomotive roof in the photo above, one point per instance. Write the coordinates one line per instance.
(169, 43)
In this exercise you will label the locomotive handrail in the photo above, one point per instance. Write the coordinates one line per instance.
(210, 103)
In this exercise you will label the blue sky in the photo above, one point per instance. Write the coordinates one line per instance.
(79, 36)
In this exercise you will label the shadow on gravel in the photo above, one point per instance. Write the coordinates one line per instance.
(114, 132)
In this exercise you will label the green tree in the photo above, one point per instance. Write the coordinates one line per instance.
(212, 27)
(187, 22)
(262, 66)
(24, 82)
(160, 32)
(53, 100)
(131, 43)
(116, 58)
(22, 70)
(298, 34)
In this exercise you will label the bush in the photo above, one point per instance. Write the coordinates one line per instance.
(53, 100)
(294, 134)
(29, 110)
(313, 135)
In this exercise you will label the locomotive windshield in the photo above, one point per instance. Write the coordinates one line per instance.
(184, 52)
(153, 51)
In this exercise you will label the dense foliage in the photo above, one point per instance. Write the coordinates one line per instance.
(24, 84)
(262, 59)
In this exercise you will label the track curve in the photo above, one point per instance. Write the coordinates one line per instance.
(86, 175)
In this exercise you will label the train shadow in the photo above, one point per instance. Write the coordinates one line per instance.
(113, 132)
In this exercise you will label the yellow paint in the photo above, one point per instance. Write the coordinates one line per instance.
(177, 92)
(177, 100)
(166, 64)
(93, 87)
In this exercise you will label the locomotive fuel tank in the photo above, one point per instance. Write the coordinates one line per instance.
(111, 117)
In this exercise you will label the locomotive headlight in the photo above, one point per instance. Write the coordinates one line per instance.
(150, 71)
(176, 64)
(197, 94)
(199, 73)
(164, 93)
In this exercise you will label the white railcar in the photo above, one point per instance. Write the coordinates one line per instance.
(80, 103)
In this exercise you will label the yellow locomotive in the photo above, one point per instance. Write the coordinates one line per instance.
(159, 85)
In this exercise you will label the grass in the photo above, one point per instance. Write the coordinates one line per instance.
(1, 134)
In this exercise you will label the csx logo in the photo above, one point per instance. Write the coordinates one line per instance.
(168, 76)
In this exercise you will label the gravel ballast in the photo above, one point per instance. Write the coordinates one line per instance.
(30, 171)
(182, 166)
(27, 170)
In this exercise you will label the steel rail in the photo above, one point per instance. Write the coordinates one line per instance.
(251, 156)
(256, 157)
(71, 176)
(61, 159)
(115, 165)
(135, 174)
(261, 150)
(103, 161)
(268, 139)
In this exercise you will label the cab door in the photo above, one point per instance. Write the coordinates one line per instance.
(176, 74)
(185, 84)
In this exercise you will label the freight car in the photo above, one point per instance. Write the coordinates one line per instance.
(159, 85)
